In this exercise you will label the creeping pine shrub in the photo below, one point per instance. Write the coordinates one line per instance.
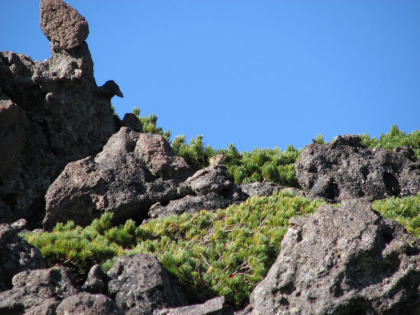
(222, 253)
(149, 124)
(211, 253)
(404, 210)
(394, 138)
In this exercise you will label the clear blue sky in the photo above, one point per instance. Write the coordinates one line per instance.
(253, 73)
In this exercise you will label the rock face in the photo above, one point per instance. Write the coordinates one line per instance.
(344, 169)
(140, 285)
(50, 114)
(16, 255)
(115, 180)
(344, 260)
(214, 306)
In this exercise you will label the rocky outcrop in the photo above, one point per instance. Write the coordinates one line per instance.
(345, 169)
(140, 285)
(115, 180)
(16, 255)
(51, 112)
(260, 189)
(340, 261)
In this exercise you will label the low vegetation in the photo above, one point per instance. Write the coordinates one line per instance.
(222, 253)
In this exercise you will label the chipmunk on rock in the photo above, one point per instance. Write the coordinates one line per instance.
(217, 159)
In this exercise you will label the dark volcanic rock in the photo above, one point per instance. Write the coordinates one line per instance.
(92, 304)
(97, 280)
(160, 158)
(64, 27)
(344, 169)
(140, 285)
(130, 120)
(37, 291)
(50, 114)
(115, 180)
(189, 204)
(16, 255)
(346, 260)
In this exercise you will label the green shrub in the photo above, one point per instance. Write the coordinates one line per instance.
(149, 124)
(223, 253)
(394, 138)
(404, 210)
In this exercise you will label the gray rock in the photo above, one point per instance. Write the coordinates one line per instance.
(55, 117)
(64, 27)
(19, 225)
(115, 180)
(344, 169)
(340, 261)
(260, 189)
(85, 303)
(189, 204)
(37, 291)
(210, 179)
(16, 255)
(214, 306)
(160, 158)
(97, 280)
(140, 285)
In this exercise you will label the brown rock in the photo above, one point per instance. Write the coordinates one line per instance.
(160, 158)
(64, 27)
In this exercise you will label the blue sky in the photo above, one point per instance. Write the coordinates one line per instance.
(253, 73)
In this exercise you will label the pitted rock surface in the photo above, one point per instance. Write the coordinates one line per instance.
(116, 180)
(37, 291)
(64, 27)
(140, 285)
(345, 169)
(340, 261)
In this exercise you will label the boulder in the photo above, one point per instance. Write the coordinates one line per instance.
(189, 204)
(214, 306)
(86, 303)
(140, 285)
(115, 180)
(160, 158)
(345, 260)
(37, 291)
(64, 27)
(16, 255)
(50, 114)
(345, 169)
